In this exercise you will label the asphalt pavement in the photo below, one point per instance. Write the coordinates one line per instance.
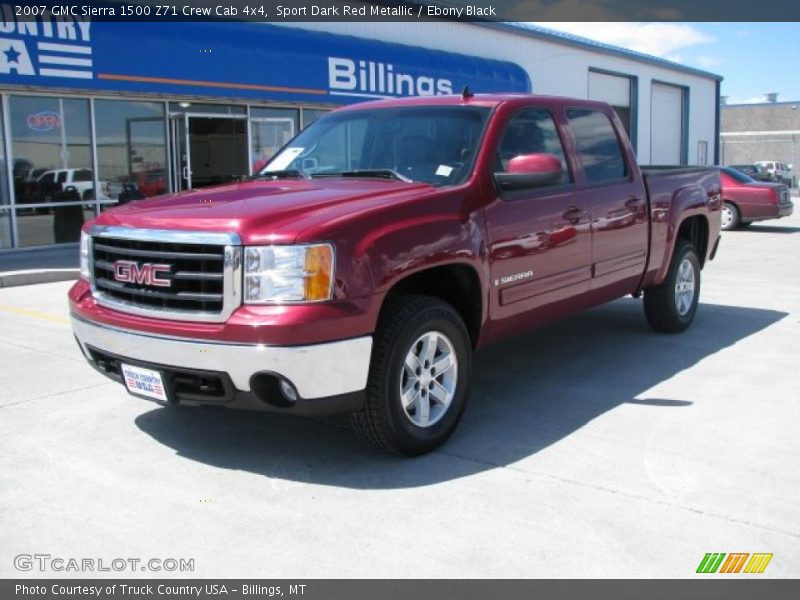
(590, 448)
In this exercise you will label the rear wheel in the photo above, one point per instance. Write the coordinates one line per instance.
(730, 216)
(671, 306)
(417, 386)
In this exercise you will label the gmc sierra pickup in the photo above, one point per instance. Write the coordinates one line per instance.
(381, 246)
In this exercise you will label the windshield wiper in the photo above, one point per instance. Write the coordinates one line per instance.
(375, 173)
(284, 174)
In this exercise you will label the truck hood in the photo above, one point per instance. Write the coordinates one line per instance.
(264, 211)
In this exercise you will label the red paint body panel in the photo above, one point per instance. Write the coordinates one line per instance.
(582, 245)
(674, 196)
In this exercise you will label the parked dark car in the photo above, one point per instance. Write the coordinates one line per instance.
(754, 171)
(746, 200)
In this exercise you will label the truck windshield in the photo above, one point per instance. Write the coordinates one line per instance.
(431, 144)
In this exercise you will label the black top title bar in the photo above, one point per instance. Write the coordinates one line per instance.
(272, 11)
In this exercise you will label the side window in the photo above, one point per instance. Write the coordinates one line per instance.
(598, 146)
(82, 175)
(531, 131)
(62, 177)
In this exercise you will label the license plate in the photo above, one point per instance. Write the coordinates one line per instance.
(144, 382)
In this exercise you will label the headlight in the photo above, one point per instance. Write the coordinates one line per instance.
(276, 274)
(84, 262)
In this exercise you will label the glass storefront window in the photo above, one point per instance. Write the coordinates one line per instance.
(207, 109)
(131, 149)
(270, 129)
(5, 228)
(52, 168)
(312, 114)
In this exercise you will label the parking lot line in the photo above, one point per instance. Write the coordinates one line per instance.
(34, 314)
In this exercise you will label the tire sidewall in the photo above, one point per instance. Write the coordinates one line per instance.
(686, 251)
(411, 438)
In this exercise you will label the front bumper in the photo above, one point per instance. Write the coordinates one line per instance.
(785, 210)
(334, 370)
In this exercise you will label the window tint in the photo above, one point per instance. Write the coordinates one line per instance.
(62, 176)
(531, 131)
(598, 145)
(435, 144)
(82, 175)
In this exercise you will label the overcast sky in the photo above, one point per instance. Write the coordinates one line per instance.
(754, 58)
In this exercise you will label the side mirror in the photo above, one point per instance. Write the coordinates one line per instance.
(529, 171)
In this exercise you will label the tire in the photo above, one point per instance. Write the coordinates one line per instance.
(730, 216)
(667, 309)
(409, 327)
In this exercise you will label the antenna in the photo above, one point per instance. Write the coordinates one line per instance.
(466, 94)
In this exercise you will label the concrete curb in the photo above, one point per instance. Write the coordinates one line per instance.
(33, 276)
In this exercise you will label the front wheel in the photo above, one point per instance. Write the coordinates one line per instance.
(417, 385)
(730, 216)
(671, 306)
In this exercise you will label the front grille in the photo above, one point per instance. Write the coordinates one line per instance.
(196, 274)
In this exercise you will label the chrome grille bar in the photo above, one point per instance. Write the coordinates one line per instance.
(205, 277)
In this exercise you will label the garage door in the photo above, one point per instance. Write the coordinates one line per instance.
(615, 90)
(666, 124)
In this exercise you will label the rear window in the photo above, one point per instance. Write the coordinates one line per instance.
(736, 175)
(598, 146)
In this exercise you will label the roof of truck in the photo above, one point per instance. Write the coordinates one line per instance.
(489, 100)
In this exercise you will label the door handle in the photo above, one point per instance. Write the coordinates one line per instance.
(574, 214)
(186, 172)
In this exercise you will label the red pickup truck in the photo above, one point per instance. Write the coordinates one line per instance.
(387, 241)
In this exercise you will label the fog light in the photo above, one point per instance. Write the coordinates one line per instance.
(288, 391)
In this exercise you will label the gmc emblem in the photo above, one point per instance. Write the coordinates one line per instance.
(129, 271)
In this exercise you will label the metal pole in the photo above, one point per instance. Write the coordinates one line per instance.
(64, 154)
(10, 171)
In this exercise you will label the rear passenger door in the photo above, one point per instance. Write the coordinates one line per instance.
(611, 186)
(539, 238)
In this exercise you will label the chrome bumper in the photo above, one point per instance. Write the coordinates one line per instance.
(317, 371)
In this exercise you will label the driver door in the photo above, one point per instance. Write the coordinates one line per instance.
(539, 238)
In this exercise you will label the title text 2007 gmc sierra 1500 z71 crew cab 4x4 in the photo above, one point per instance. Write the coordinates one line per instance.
(361, 268)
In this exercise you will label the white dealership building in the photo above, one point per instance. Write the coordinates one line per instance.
(201, 103)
